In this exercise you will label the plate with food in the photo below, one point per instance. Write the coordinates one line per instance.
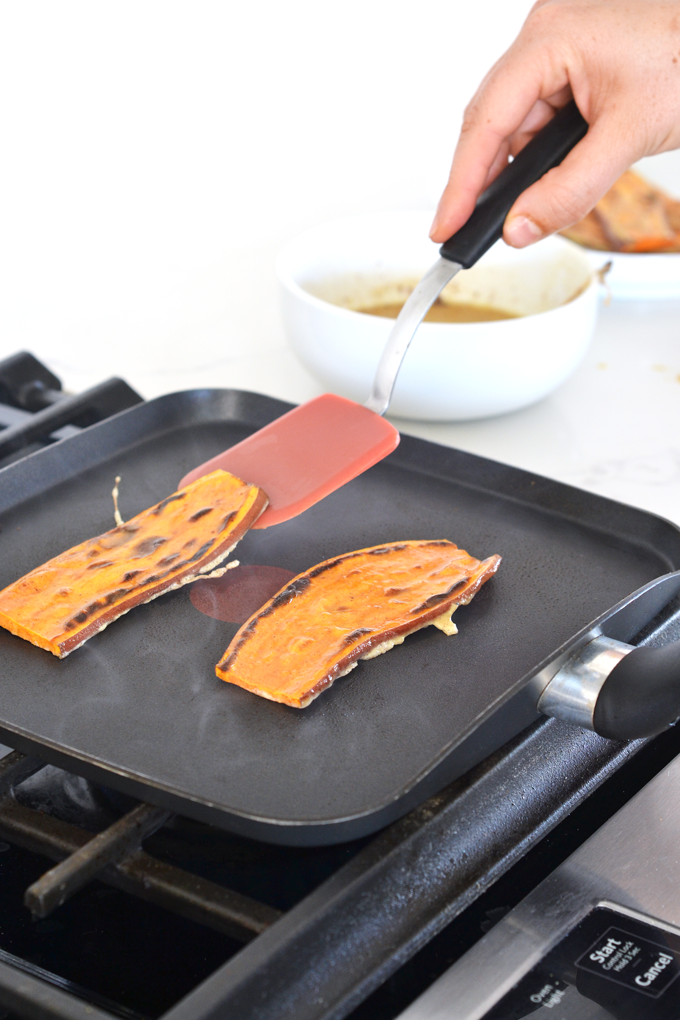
(320, 688)
(636, 227)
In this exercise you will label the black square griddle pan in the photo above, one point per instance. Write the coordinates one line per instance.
(139, 707)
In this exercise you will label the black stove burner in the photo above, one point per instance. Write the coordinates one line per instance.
(132, 958)
(128, 957)
(72, 799)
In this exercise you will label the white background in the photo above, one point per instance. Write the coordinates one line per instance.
(156, 155)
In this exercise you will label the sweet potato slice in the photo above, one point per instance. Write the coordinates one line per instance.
(673, 213)
(352, 607)
(632, 212)
(633, 216)
(588, 232)
(62, 603)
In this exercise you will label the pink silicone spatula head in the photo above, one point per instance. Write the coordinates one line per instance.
(306, 454)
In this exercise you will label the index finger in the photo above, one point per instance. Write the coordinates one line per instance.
(510, 104)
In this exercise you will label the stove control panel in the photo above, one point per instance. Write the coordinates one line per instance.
(609, 965)
(599, 939)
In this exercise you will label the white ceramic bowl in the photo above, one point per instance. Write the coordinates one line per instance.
(640, 277)
(452, 371)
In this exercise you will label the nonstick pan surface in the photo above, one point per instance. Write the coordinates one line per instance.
(139, 706)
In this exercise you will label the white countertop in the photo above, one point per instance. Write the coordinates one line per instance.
(613, 428)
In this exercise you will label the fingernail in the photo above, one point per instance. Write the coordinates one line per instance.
(435, 224)
(521, 231)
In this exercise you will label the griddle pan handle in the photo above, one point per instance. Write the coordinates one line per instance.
(546, 150)
(621, 691)
(641, 695)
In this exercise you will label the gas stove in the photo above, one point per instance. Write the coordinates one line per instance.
(148, 914)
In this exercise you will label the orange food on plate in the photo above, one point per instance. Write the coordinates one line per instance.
(62, 603)
(589, 233)
(352, 607)
(634, 216)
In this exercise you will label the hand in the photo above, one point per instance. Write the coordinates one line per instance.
(619, 59)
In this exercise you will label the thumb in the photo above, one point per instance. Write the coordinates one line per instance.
(567, 193)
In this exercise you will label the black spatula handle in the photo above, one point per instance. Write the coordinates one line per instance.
(545, 150)
(641, 695)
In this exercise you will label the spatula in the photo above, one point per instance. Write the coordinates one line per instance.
(314, 449)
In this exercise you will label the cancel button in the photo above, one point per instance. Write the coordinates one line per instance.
(632, 961)
(649, 976)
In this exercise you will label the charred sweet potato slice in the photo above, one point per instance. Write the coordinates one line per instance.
(62, 603)
(352, 607)
(633, 216)
(633, 213)
(589, 233)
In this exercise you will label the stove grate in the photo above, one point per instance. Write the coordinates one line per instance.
(330, 951)
(115, 857)
(34, 410)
